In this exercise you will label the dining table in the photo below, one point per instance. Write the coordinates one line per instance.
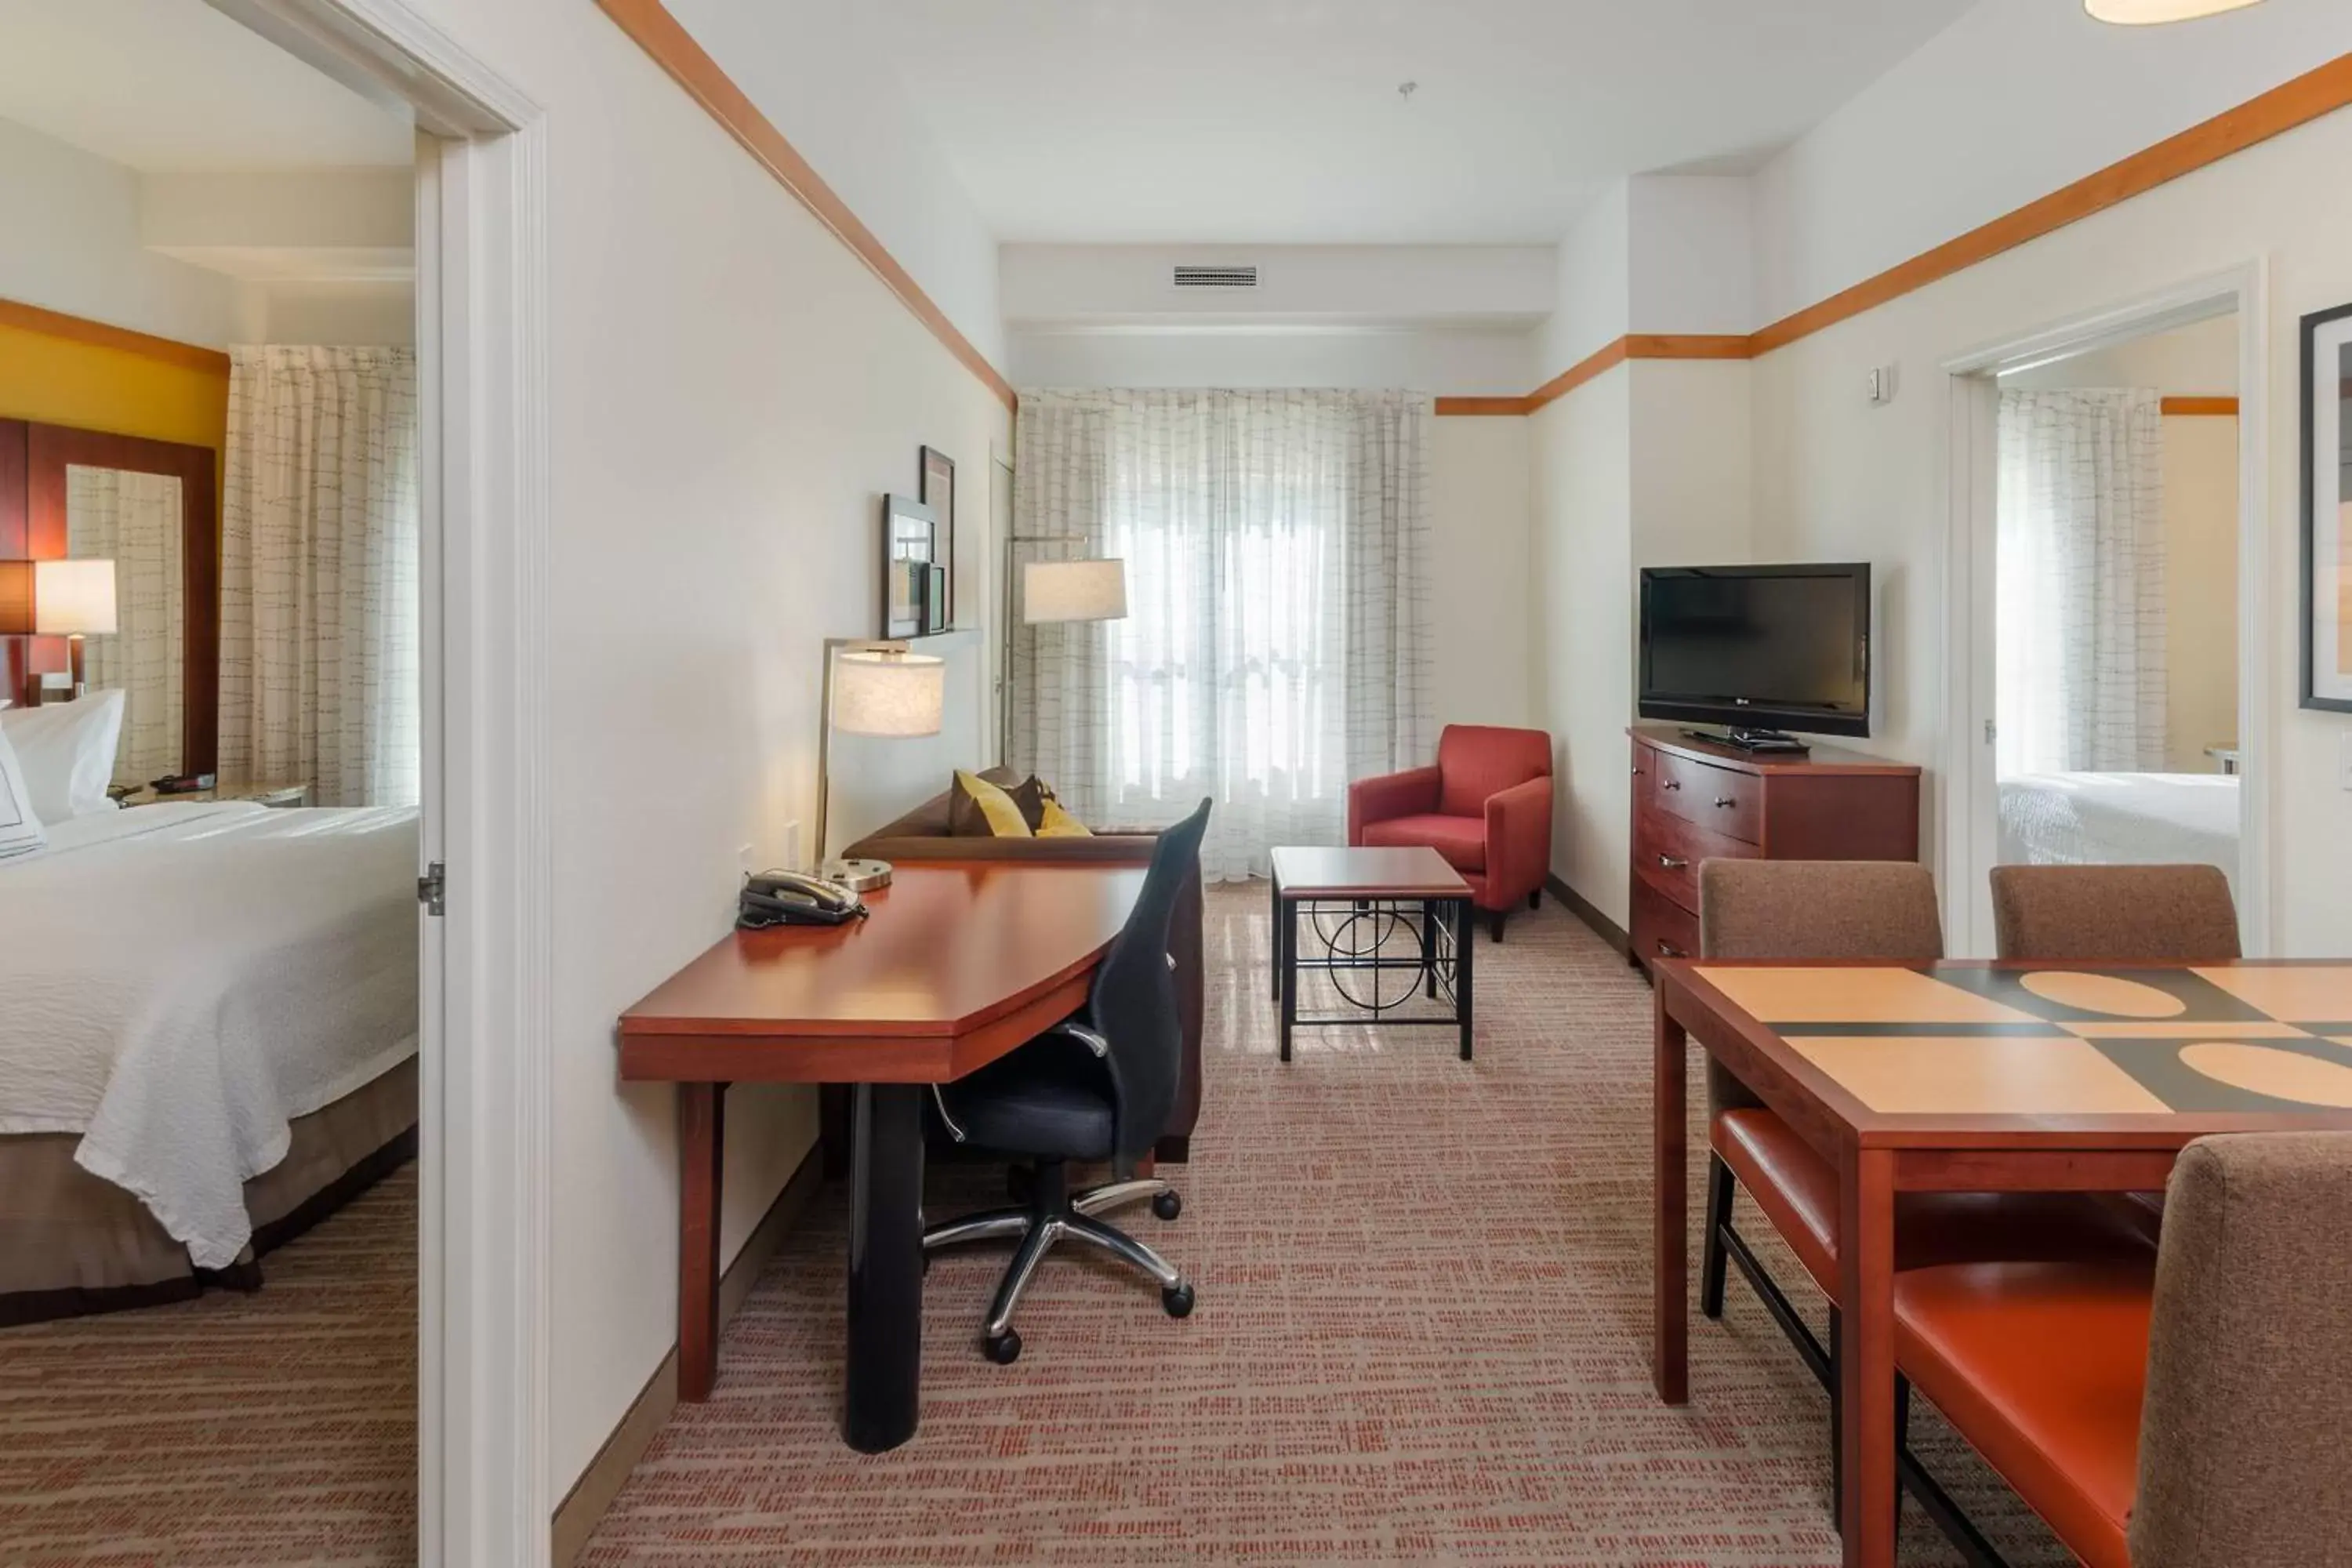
(1975, 1076)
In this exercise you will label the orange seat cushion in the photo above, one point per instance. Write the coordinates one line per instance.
(1798, 1191)
(2042, 1366)
(1461, 839)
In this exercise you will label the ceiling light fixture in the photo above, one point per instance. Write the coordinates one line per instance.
(2149, 13)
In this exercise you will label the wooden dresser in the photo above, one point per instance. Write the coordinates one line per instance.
(1694, 801)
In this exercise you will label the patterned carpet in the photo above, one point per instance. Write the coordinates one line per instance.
(1422, 1338)
(277, 1428)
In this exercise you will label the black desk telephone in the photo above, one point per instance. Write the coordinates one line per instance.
(789, 898)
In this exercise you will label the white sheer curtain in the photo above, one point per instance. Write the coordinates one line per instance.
(318, 566)
(1275, 645)
(133, 519)
(2080, 670)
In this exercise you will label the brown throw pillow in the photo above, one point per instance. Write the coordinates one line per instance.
(967, 819)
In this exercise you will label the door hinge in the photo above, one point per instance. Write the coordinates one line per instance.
(433, 889)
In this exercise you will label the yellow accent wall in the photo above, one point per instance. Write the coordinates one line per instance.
(56, 381)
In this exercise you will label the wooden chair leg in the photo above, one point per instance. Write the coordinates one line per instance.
(1495, 923)
(1535, 900)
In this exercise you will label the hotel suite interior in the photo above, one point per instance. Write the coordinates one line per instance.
(1067, 782)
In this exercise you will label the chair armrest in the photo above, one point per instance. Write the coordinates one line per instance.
(1413, 793)
(1518, 839)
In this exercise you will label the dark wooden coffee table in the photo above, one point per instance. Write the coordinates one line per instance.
(1377, 895)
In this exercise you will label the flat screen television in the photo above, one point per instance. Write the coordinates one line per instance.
(1759, 649)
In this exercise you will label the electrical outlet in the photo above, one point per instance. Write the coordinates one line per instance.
(743, 857)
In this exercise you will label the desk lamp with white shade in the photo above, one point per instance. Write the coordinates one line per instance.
(877, 688)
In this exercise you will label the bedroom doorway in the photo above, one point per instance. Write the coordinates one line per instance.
(453, 596)
(2107, 624)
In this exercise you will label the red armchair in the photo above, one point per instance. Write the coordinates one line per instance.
(1485, 806)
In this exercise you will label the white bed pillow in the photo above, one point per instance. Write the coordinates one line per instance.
(65, 753)
(20, 828)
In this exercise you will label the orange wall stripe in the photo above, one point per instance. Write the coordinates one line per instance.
(2281, 110)
(661, 36)
(77, 329)
(2283, 107)
(2197, 407)
(1481, 406)
(1607, 357)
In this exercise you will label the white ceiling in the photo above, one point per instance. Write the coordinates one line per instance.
(173, 84)
(1279, 121)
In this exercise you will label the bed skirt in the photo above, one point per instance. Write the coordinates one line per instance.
(71, 1244)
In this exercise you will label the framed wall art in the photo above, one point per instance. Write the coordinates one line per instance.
(938, 493)
(2327, 510)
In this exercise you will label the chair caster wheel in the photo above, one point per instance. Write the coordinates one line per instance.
(1167, 1205)
(1004, 1349)
(1178, 1299)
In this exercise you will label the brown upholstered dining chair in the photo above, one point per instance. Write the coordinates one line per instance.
(2089, 914)
(2190, 1414)
(1846, 910)
(2132, 914)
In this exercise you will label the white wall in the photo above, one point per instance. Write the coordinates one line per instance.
(821, 72)
(1434, 360)
(1838, 477)
(71, 243)
(732, 392)
(1595, 287)
(2015, 100)
(1480, 498)
(375, 314)
(1581, 447)
(1690, 239)
(1366, 283)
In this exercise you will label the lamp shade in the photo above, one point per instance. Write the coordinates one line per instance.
(73, 598)
(898, 694)
(1073, 591)
(2147, 13)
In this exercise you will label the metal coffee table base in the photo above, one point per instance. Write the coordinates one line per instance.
(1374, 937)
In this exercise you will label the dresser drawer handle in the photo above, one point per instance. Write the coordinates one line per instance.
(1668, 950)
(1725, 802)
(1668, 863)
(1670, 783)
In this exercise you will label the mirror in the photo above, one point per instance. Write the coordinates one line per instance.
(134, 520)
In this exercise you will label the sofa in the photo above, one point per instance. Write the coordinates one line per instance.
(922, 836)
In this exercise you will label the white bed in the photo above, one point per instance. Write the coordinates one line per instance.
(182, 981)
(2120, 819)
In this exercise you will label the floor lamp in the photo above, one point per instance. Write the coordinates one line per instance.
(877, 688)
(1057, 593)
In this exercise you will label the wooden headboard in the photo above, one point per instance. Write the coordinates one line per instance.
(33, 462)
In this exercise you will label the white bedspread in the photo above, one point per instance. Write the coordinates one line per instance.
(2120, 819)
(179, 982)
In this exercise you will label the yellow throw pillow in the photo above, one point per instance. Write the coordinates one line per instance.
(1060, 824)
(997, 808)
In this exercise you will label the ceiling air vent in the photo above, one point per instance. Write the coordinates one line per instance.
(1216, 277)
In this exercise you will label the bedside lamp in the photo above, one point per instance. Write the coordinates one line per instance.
(73, 599)
(871, 689)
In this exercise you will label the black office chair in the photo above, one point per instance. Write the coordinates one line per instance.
(1099, 1086)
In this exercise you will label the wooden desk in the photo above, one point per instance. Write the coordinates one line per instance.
(1978, 1078)
(958, 965)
